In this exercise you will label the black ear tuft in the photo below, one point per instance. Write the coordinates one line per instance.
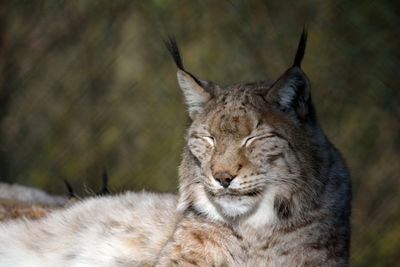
(71, 193)
(174, 51)
(301, 49)
(104, 187)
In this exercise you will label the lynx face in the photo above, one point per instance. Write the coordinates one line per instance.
(238, 151)
(247, 145)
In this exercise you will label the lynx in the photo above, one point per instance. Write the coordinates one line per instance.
(260, 185)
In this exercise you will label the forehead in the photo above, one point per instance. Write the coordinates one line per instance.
(232, 113)
(236, 110)
(232, 120)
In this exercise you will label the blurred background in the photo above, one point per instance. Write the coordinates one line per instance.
(89, 85)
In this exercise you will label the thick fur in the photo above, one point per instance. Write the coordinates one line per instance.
(125, 230)
(287, 202)
(12, 209)
(260, 185)
(20, 201)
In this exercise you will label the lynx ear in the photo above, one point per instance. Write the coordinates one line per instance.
(291, 92)
(197, 92)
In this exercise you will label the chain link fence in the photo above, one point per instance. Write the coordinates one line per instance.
(88, 85)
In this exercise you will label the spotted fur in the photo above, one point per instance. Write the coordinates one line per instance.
(258, 168)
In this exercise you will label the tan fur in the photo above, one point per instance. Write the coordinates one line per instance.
(17, 201)
(290, 170)
(258, 170)
(11, 209)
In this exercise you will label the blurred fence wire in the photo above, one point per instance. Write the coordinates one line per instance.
(88, 85)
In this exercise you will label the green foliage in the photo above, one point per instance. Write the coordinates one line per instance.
(87, 85)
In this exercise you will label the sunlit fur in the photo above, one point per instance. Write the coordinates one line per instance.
(124, 230)
(288, 204)
(286, 196)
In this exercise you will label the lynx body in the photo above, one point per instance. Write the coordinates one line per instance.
(125, 230)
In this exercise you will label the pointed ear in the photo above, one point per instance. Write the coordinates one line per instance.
(197, 92)
(291, 92)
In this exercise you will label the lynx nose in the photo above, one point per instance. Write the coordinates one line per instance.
(224, 178)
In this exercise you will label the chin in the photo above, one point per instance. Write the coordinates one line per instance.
(234, 206)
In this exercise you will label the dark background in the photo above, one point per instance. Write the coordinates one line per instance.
(88, 85)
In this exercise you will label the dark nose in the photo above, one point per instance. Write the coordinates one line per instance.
(224, 178)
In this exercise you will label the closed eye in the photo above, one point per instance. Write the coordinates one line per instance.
(249, 140)
(209, 139)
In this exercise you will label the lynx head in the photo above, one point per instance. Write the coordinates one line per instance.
(248, 144)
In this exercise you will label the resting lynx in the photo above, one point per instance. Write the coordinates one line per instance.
(260, 185)
(258, 168)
